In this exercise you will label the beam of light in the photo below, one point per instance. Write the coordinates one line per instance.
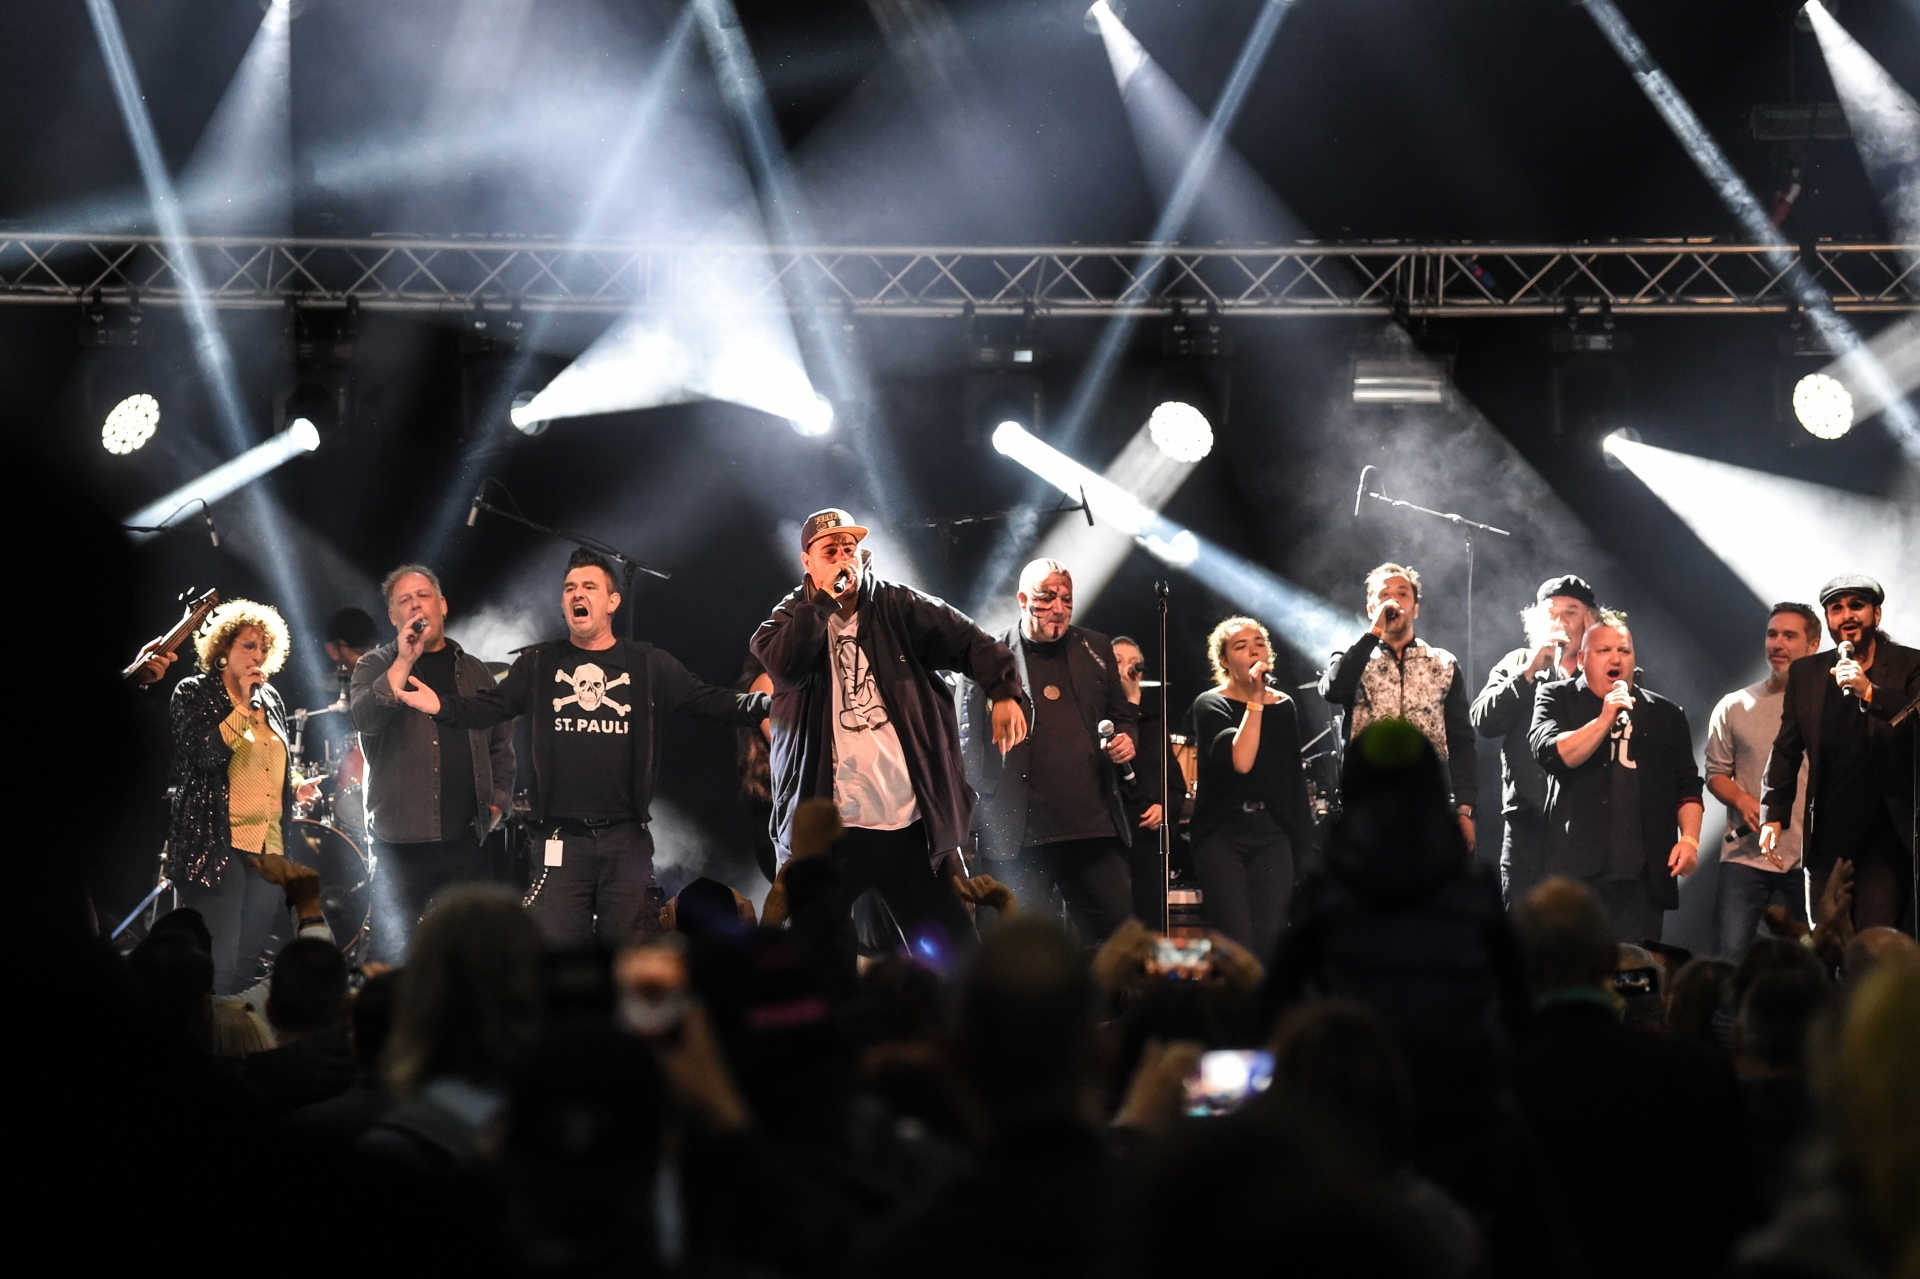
(1782, 537)
(209, 343)
(1862, 369)
(230, 476)
(1897, 348)
(488, 441)
(1309, 624)
(1151, 100)
(785, 210)
(241, 173)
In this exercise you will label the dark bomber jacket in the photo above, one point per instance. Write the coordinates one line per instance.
(662, 684)
(402, 747)
(907, 637)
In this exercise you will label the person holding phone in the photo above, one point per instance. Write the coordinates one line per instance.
(232, 782)
(1250, 817)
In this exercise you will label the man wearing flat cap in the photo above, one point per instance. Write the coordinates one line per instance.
(862, 716)
(1555, 623)
(1859, 797)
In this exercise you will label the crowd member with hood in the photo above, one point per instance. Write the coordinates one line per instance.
(1402, 920)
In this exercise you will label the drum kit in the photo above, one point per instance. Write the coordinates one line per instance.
(330, 827)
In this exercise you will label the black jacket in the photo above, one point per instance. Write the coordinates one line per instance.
(907, 637)
(661, 683)
(1504, 710)
(403, 753)
(1896, 681)
(200, 831)
(1097, 695)
(1578, 798)
(1343, 685)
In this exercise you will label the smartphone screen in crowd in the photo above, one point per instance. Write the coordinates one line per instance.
(1227, 1079)
(1181, 958)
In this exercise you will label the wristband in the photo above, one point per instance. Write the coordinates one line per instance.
(1691, 842)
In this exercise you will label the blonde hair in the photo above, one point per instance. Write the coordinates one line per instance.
(1387, 570)
(218, 632)
(1217, 644)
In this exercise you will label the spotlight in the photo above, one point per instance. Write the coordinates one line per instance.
(1182, 431)
(131, 424)
(1006, 436)
(1615, 445)
(523, 423)
(1399, 381)
(303, 435)
(1823, 405)
(817, 418)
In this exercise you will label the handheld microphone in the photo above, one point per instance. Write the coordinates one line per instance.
(1360, 491)
(212, 534)
(1845, 650)
(473, 511)
(1105, 729)
(840, 581)
(419, 624)
(1559, 658)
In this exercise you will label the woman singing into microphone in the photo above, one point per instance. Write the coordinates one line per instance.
(1250, 803)
(232, 784)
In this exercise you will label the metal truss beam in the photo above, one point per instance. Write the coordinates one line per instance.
(1646, 277)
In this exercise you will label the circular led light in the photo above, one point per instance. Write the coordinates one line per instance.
(131, 424)
(817, 418)
(1182, 431)
(303, 435)
(1823, 405)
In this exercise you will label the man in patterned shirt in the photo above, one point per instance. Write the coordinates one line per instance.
(1389, 674)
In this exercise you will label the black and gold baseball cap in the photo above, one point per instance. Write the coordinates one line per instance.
(831, 520)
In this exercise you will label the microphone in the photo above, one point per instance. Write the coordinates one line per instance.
(840, 581)
(1846, 655)
(473, 512)
(1105, 729)
(1559, 659)
(206, 513)
(1360, 491)
(419, 624)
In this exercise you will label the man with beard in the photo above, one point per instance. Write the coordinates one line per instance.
(1555, 622)
(1859, 801)
(1052, 806)
(1739, 737)
(1621, 784)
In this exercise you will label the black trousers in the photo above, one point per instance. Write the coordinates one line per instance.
(1523, 854)
(602, 891)
(1636, 916)
(1093, 879)
(1245, 866)
(894, 864)
(410, 876)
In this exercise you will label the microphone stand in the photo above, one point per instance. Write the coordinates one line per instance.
(1466, 527)
(1167, 811)
(628, 565)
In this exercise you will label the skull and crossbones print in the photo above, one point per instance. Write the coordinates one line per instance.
(590, 688)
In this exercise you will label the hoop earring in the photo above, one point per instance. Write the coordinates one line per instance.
(220, 663)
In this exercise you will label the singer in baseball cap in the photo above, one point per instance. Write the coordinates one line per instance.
(1568, 585)
(831, 520)
(1837, 714)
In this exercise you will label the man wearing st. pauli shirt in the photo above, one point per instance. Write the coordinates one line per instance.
(862, 716)
(1860, 799)
(1623, 792)
(592, 701)
(1052, 806)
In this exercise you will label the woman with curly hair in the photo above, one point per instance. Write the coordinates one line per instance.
(232, 783)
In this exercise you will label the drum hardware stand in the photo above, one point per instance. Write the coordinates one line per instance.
(151, 899)
(628, 565)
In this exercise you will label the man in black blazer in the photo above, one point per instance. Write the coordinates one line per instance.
(1623, 791)
(1051, 807)
(1860, 797)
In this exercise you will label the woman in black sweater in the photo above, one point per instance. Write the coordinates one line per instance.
(1250, 801)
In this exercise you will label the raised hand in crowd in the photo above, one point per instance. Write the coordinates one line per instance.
(1157, 1092)
(985, 890)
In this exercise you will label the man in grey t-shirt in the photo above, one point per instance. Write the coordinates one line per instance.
(1739, 737)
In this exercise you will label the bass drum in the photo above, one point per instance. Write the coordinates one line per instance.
(346, 882)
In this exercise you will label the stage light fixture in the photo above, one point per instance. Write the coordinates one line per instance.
(817, 419)
(523, 423)
(1399, 381)
(301, 436)
(1823, 405)
(130, 424)
(1182, 431)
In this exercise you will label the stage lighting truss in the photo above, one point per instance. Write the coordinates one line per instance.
(130, 424)
(1823, 405)
(1670, 277)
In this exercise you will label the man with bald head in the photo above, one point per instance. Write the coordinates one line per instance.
(1052, 810)
(1623, 792)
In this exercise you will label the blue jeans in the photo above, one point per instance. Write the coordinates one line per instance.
(1742, 897)
(240, 915)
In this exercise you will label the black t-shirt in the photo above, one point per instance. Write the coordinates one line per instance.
(1626, 854)
(1221, 792)
(593, 708)
(1066, 782)
(458, 802)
